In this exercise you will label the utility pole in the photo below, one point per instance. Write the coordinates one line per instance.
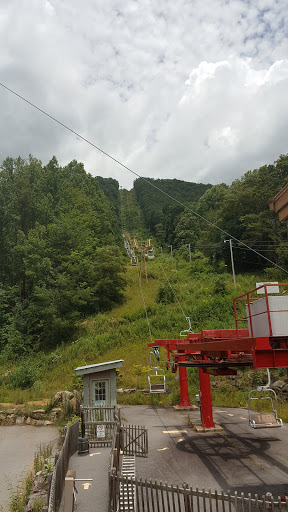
(189, 248)
(232, 260)
(171, 251)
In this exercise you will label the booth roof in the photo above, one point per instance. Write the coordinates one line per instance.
(100, 367)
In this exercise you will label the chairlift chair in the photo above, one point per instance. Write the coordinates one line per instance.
(267, 419)
(134, 261)
(156, 375)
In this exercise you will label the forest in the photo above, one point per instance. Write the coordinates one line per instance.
(60, 258)
(61, 246)
(241, 210)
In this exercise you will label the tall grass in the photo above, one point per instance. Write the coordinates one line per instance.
(123, 333)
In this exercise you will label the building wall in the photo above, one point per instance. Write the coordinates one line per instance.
(88, 387)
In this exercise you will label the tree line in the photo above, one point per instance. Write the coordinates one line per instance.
(240, 209)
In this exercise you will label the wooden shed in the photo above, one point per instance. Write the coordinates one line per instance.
(99, 383)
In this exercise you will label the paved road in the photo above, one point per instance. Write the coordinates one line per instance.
(239, 458)
(17, 448)
(91, 496)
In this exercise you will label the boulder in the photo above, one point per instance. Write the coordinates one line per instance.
(57, 398)
(278, 384)
(10, 419)
(38, 414)
(284, 389)
(66, 396)
(20, 420)
(35, 499)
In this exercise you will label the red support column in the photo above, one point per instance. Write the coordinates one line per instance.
(184, 395)
(206, 401)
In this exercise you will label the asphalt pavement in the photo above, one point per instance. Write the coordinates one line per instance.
(91, 496)
(239, 458)
(17, 447)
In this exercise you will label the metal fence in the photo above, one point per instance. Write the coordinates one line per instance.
(69, 447)
(153, 496)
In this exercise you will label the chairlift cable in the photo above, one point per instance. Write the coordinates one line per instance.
(144, 304)
(174, 293)
(141, 177)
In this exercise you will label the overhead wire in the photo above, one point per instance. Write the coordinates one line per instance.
(141, 177)
(173, 291)
(144, 303)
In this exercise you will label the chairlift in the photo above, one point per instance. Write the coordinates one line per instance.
(266, 419)
(183, 334)
(156, 375)
(134, 261)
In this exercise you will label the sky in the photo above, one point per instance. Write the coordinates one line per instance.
(194, 90)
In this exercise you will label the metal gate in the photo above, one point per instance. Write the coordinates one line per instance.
(134, 440)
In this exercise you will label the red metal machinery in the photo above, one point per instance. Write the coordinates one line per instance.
(222, 351)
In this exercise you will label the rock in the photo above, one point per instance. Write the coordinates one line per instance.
(284, 389)
(11, 411)
(2, 416)
(46, 423)
(120, 390)
(131, 390)
(20, 420)
(38, 414)
(10, 419)
(38, 423)
(66, 396)
(39, 484)
(55, 412)
(28, 421)
(278, 384)
(74, 402)
(57, 398)
(35, 499)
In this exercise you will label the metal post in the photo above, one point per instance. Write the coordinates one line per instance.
(206, 401)
(232, 260)
(171, 251)
(184, 394)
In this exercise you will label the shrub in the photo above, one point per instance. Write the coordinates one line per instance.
(25, 376)
(165, 295)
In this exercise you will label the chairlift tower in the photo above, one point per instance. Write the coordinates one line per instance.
(262, 343)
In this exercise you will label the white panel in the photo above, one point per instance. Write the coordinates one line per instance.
(278, 306)
(270, 289)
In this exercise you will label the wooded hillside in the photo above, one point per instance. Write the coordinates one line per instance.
(58, 260)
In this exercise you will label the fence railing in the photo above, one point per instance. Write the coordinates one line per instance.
(153, 496)
(69, 447)
(100, 414)
(108, 417)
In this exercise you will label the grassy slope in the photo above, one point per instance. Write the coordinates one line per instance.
(123, 334)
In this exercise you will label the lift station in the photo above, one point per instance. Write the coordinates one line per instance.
(262, 343)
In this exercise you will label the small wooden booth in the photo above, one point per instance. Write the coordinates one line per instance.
(99, 383)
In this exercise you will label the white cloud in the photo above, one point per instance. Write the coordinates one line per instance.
(193, 90)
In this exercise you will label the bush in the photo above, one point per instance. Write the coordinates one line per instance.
(165, 295)
(25, 376)
(219, 285)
